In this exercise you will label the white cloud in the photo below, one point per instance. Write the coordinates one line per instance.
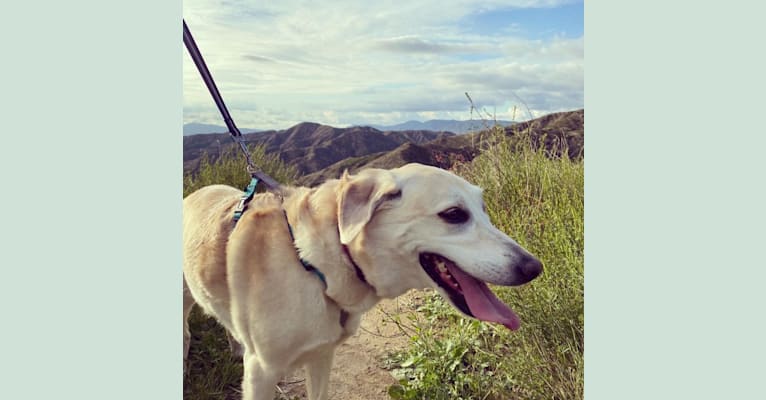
(349, 62)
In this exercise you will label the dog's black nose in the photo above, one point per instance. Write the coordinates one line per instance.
(529, 268)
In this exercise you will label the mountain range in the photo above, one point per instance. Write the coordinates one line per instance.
(308, 146)
(321, 151)
(195, 128)
(436, 125)
(443, 125)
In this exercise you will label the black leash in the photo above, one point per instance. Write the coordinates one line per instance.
(255, 173)
(236, 135)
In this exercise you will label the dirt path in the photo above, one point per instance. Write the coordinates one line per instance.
(357, 372)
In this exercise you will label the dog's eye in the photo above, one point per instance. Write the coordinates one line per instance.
(454, 215)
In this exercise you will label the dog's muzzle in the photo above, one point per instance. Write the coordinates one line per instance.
(472, 296)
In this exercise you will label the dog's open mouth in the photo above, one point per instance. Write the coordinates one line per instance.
(468, 294)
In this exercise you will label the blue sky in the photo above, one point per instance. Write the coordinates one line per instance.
(565, 20)
(346, 62)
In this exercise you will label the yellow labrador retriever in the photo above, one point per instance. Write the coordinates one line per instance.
(289, 302)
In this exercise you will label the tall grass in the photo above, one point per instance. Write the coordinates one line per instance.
(538, 200)
(229, 168)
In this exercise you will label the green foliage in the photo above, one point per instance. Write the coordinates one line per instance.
(230, 168)
(213, 372)
(536, 196)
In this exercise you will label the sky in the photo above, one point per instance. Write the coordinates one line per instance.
(350, 62)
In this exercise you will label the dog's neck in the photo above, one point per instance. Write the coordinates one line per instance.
(312, 213)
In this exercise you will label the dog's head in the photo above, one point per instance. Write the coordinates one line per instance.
(418, 226)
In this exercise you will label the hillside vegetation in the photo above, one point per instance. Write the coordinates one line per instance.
(550, 131)
(320, 152)
(308, 146)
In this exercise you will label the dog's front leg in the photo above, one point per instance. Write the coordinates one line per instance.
(260, 380)
(318, 375)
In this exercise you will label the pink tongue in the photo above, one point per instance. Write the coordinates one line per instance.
(484, 305)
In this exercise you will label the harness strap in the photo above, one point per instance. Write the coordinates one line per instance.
(359, 273)
(306, 265)
(242, 206)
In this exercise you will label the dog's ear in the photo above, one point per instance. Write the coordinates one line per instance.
(359, 197)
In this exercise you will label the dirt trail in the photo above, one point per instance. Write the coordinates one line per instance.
(357, 372)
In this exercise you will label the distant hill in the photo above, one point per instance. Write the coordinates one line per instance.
(196, 129)
(424, 153)
(320, 152)
(435, 125)
(444, 151)
(442, 125)
(309, 146)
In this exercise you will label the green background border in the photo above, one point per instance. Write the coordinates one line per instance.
(674, 201)
(91, 200)
(91, 207)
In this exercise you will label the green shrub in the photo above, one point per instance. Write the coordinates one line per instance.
(230, 168)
